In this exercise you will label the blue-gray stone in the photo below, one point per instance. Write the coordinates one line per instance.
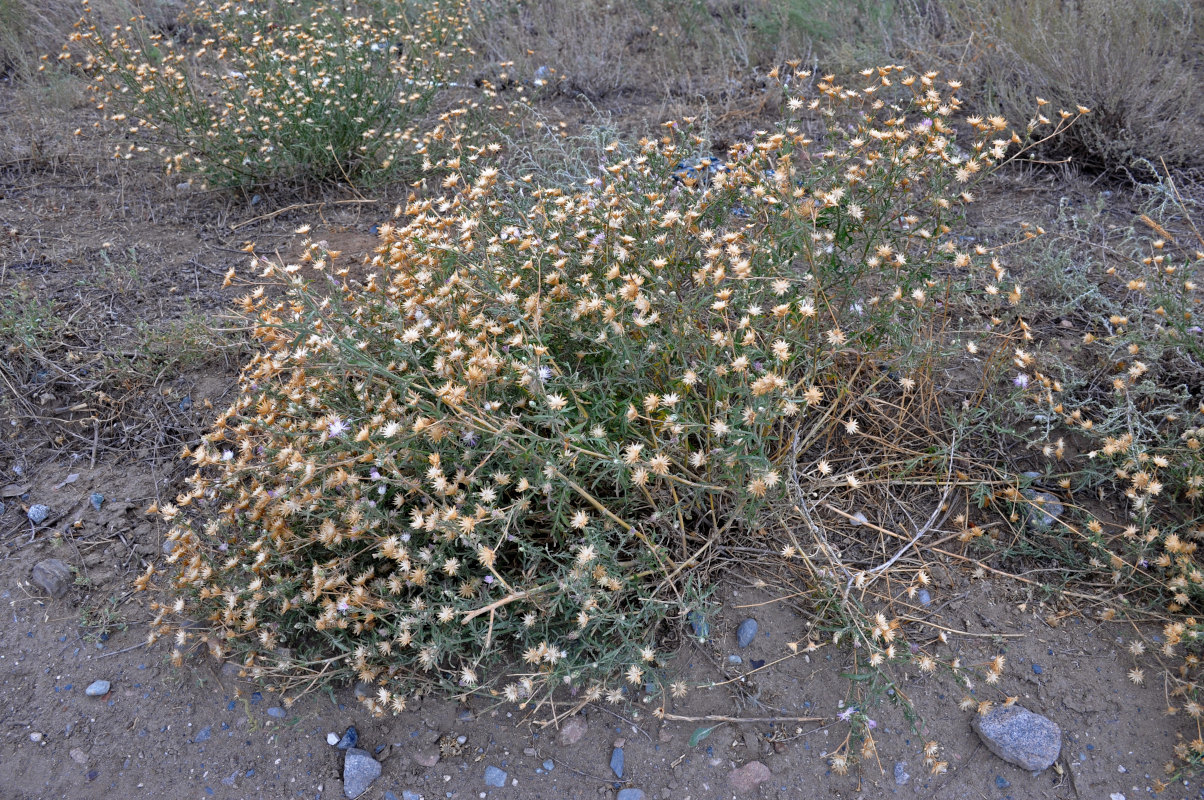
(1037, 670)
(701, 629)
(349, 738)
(616, 762)
(1002, 782)
(97, 689)
(359, 770)
(1020, 737)
(734, 659)
(408, 795)
(549, 765)
(1042, 510)
(3, 508)
(96, 499)
(925, 598)
(186, 403)
(746, 633)
(277, 712)
(38, 513)
(630, 794)
(204, 733)
(901, 776)
(495, 777)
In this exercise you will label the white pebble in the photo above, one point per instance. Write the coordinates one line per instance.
(332, 739)
(35, 737)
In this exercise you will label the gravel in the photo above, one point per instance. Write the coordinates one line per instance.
(53, 576)
(746, 633)
(1020, 737)
(495, 777)
(349, 739)
(98, 689)
(572, 731)
(748, 777)
(38, 513)
(616, 762)
(359, 771)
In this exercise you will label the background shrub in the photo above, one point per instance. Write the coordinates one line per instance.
(1138, 66)
(250, 93)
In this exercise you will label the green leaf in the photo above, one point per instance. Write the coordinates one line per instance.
(701, 733)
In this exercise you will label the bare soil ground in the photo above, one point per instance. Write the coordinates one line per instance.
(119, 257)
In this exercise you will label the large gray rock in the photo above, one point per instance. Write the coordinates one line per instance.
(54, 576)
(359, 770)
(1020, 737)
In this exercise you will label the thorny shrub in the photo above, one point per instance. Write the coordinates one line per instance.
(521, 431)
(277, 92)
(1131, 403)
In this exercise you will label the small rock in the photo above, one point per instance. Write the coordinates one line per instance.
(3, 508)
(630, 794)
(204, 733)
(78, 756)
(1002, 782)
(529, 751)
(53, 575)
(38, 513)
(1020, 737)
(572, 731)
(616, 762)
(901, 775)
(349, 738)
(35, 737)
(1037, 669)
(495, 777)
(277, 712)
(1116, 796)
(734, 659)
(748, 777)
(97, 689)
(186, 403)
(549, 765)
(359, 770)
(699, 624)
(1044, 509)
(426, 758)
(746, 633)
(408, 795)
(925, 598)
(96, 499)
(332, 739)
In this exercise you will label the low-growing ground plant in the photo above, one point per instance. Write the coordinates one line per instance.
(1118, 417)
(251, 93)
(501, 462)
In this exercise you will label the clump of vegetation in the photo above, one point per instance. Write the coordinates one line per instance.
(1137, 65)
(250, 93)
(526, 428)
(1122, 420)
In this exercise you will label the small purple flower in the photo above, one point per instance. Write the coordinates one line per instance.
(847, 713)
(488, 579)
(343, 606)
(871, 724)
(375, 475)
(1021, 380)
(337, 427)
